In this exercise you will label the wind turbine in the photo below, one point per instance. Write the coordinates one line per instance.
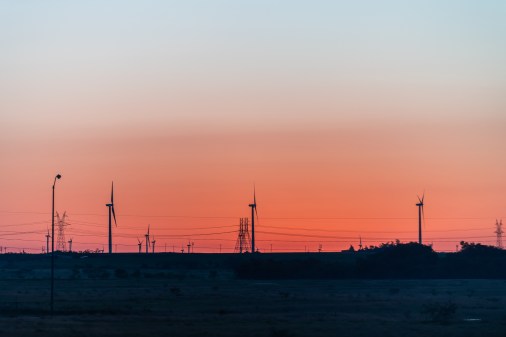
(140, 244)
(111, 212)
(47, 241)
(253, 213)
(147, 240)
(421, 216)
(153, 242)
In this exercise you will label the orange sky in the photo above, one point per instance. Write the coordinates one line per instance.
(339, 113)
(361, 181)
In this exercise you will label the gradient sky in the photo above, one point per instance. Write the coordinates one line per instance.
(340, 112)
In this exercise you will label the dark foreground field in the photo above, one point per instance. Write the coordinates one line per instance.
(175, 295)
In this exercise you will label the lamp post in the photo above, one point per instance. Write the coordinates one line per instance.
(58, 176)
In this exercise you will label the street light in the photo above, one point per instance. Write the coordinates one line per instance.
(58, 176)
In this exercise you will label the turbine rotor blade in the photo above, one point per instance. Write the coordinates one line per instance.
(114, 215)
(112, 193)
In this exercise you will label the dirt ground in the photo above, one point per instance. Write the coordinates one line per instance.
(203, 307)
(129, 302)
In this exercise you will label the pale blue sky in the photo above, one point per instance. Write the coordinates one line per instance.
(188, 61)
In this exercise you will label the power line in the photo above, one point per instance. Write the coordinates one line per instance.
(368, 231)
(264, 218)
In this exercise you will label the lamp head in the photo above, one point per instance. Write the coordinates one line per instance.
(58, 176)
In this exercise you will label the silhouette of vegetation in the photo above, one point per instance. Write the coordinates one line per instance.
(477, 249)
(396, 260)
(388, 260)
(476, 261)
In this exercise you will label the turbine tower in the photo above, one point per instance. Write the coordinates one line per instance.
(253, 213)
(111, 214)
(420, 217)
(139, 244)
(47, 242)
(147, 240)
(153, 242)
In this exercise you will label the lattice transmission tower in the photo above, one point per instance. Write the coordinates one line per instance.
(243, 243)
(60, 238)
(498, 232)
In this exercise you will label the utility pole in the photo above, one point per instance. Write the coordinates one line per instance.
(499, 232)
(58, 176)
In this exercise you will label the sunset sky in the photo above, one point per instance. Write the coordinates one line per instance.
(339, 112)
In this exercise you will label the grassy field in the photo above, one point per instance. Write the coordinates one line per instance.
(173, 296)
